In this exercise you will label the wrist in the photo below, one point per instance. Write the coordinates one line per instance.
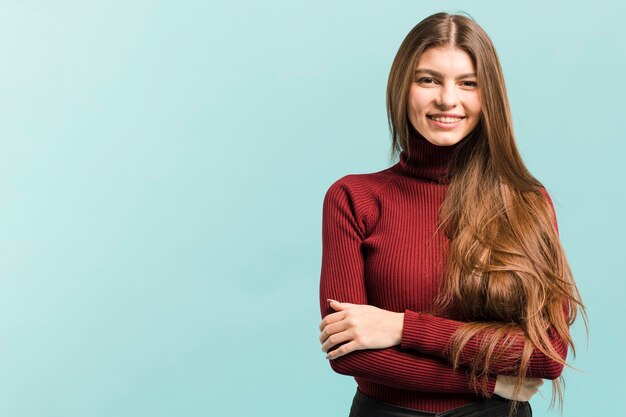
(497, 387)
(399, 327)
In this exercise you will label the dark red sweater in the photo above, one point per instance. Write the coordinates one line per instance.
(376, 249)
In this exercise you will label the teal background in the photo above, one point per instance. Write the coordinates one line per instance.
(162, 170)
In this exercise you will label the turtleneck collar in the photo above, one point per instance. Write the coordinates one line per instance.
(424, 160)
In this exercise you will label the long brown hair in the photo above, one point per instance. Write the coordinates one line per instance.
(506, 270)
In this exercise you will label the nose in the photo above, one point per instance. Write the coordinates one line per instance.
(448, 96)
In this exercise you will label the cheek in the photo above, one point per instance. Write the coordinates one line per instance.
(417, 101)
(475, 119)
(415, 106)
(476, 106)
(474, 109)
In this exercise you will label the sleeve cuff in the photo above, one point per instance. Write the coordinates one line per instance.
(427, 333)
(491, 385)
(411, 330)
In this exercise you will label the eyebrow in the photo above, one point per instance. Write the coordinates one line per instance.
(440, 75)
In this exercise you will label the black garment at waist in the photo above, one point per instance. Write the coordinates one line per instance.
(364, 406)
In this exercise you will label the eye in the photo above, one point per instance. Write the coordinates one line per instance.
(469, 84)
(426, 80)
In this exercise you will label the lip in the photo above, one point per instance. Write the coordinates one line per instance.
(445, 126)
(444, 115)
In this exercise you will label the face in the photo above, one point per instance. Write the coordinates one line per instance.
(444, 101)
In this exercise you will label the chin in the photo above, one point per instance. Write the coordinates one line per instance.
(446, 141)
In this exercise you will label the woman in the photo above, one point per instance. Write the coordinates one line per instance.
(444, 288)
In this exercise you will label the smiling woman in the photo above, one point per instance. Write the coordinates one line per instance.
(444, 288)
(444, 102)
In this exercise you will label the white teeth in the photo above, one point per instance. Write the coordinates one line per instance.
(446, 119)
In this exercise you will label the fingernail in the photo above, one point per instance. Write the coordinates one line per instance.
(328, 356)
(330, 300)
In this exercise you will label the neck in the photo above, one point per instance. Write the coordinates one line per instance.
(424, 160)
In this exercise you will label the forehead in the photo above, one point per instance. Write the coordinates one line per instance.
(447, 60)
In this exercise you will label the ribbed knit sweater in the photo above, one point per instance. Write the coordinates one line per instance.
(377, 249)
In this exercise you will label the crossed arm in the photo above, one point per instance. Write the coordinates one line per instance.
(342, 278)
(404, 350)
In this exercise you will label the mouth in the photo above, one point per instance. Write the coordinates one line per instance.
(446, 120)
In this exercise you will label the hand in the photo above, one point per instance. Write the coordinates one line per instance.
(506, 384)
(362, 326)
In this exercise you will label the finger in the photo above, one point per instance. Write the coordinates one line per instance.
(336, 339)
(341, 306)
(527, 393)
(331, 329)
(533, 382)
(336, 305)
(342, 350)
(331, 318)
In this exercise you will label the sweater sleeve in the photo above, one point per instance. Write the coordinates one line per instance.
(431, 335)
(342, 278)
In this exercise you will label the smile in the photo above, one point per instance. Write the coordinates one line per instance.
(447, 120)
(445, 123)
